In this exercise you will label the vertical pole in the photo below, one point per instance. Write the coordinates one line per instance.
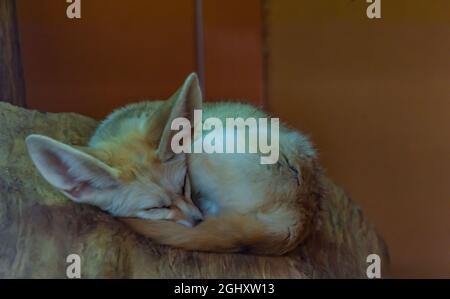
(200, 43)
(12, 84)
(265, 6)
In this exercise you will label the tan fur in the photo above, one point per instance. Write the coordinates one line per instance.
(263, 209)
(244, 232)
(272, 224)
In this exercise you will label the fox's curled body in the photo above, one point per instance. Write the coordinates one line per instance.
(247, 206)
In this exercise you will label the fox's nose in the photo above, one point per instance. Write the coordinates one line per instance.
(196, 216)
(197, 220)
(191, 222)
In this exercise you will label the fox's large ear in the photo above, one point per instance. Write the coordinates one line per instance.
(78, 175)
(182, 104)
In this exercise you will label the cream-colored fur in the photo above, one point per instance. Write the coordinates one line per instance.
(129, 170)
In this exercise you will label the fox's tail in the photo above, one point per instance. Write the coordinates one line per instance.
(234, 233)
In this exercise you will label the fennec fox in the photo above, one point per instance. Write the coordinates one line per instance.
(130, 170)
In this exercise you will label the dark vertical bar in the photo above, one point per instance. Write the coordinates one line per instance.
(200, 43)
(12, 84)
(265, 53)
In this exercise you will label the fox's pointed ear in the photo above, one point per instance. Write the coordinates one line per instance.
(78, 175)
(182, 104)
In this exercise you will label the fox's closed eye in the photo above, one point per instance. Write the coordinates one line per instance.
(156, 208)
(169, 159)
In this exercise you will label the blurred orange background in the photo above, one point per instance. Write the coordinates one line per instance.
(374, 95)
(119, 53)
